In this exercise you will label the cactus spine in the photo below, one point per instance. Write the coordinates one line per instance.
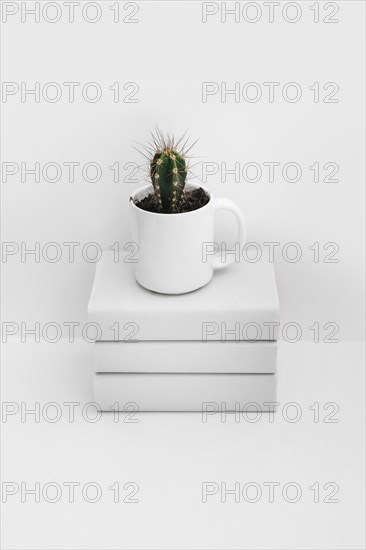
(168, 173)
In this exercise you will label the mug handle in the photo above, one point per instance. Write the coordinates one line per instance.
(226, 204)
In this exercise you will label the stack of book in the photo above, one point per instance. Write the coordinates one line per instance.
(215, 347)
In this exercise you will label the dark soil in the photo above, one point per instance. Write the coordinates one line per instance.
(192, 199)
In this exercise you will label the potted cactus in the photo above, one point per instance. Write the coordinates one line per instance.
(173, 223)
(168, 171)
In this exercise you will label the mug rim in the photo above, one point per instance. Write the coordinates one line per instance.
(190, 212)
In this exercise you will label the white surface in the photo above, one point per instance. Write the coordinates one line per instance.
(241, 294)
(184, 392)
(196, 357)
(170, 455)
(170, 95)
(176, 251)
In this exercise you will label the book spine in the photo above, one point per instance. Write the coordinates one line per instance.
(193, 357)
(223, 326)
(184, 392)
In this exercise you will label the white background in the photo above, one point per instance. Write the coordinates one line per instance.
(169, 53)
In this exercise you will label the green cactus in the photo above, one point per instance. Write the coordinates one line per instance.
(168, 172)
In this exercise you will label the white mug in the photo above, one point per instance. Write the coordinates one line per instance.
(172, 248)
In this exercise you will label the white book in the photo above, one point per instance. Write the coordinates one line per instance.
(191, 357)
(184, 392)
(239, 303)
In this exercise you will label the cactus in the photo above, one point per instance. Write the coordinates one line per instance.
(168, 172)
